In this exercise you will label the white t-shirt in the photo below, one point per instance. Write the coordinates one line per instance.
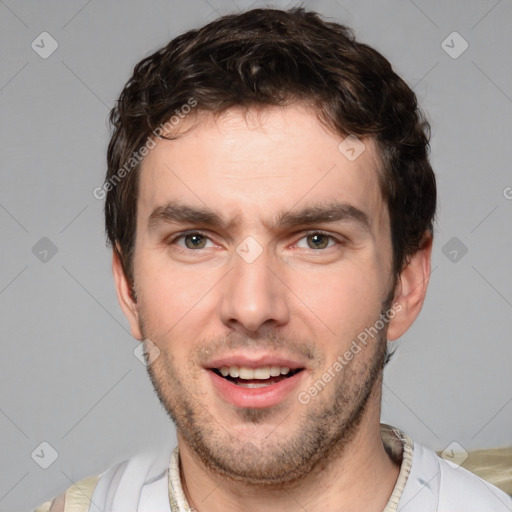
(150, 482)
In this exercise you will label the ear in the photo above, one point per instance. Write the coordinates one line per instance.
(124, 295)
(411, 289)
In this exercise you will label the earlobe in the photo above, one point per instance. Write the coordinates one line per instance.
(125, 297)
(411, 289)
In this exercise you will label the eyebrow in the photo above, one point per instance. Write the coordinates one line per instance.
(325, 213)
(179, 213)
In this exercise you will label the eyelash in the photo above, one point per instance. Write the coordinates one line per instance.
(305, 235)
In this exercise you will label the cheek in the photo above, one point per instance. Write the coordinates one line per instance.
(168, 291)
(342, 301)
(175, 306)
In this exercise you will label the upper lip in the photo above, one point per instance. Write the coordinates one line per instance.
(255, 361)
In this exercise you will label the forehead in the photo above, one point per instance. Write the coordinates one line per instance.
(252, 164)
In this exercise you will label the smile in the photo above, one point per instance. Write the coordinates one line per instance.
(254, 377)
(259, 387)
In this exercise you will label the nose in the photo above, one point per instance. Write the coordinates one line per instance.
(253, 296)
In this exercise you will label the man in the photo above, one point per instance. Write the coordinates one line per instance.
(270, 205)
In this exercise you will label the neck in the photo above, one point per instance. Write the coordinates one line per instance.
(360, 477)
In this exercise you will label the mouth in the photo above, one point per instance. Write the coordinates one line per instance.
(255, 384)
(264, 376)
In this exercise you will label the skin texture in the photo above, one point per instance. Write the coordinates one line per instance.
(305, 298)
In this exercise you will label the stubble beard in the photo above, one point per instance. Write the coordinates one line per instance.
(326, 425)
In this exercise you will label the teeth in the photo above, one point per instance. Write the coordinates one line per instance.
(253, 384)
(263, 373)
(275, 371)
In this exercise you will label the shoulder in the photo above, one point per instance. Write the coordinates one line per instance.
(447, 487)
(79, 494)
(120, 487)
(459, 486)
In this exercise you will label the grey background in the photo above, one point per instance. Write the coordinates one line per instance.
(69, 375)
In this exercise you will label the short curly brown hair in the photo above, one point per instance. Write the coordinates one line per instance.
(271, 57)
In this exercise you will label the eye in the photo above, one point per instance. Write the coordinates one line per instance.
(317, 240)
(192, 241)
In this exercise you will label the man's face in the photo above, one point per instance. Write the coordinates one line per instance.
(268, 285)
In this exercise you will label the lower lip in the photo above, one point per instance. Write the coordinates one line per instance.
(255, 398)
